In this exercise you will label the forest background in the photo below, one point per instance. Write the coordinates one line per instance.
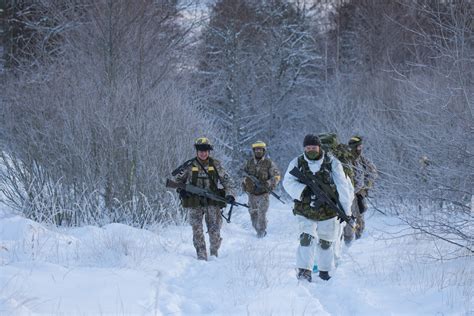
(102, 99)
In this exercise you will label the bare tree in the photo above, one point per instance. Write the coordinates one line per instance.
(258, 60)
(403, 79)
(105, 118)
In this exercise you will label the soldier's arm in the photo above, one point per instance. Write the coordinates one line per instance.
(275, 176)
(183, 176)
(358, 175)
(225, 179)
(245, 179)
(371, 173)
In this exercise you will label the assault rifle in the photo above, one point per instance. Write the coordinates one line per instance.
(206, 194)
(321, 196)
(259, 186)
(183, 166)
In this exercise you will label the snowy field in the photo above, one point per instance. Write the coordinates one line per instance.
(120, 270)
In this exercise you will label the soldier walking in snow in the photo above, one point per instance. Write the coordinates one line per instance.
(317, 219)
(262, 177)
(365, 174)
(206, 173)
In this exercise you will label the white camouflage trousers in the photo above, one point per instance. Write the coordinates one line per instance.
(328, 230)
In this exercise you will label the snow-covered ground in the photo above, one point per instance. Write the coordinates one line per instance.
(120, 270)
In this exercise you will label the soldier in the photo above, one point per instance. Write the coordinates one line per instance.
(365, 174)
(263, 170)
(317, 220)
(207, 173)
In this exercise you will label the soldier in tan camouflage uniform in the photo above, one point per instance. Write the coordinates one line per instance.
(365, 174)
(207, 173)
(263, 170)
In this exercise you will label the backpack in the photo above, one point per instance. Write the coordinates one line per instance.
(330, 144)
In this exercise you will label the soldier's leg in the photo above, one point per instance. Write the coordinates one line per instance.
(327, 231)
(348, 230)
(361, 224)
(338, 242)
(195, 219)
(263, 203)
(306, 248)
(214, 228)
(253, 210)
(361, 207)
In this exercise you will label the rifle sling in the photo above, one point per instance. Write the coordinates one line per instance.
(207, 173)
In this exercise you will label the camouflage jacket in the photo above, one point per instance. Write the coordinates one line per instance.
(365, 173)
(329, 172)
(214, 178)
(265, 170)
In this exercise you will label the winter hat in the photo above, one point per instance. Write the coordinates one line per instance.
(259, 144)
(355, 141)
(311, 140)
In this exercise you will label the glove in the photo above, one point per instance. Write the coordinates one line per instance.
(183, 194)
(230, 199)
(270, 185)
(260, 189)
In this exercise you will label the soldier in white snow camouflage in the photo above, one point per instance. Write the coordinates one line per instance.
(318, 224)
(207, 173)
(262, 177)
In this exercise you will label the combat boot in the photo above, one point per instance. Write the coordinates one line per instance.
(202, 255)
(304, 274)
(324, 275)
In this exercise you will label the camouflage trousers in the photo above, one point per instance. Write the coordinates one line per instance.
(258, 207)
(212, 216)
(359, 223)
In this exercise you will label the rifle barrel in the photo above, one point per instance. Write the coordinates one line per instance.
(201, 192)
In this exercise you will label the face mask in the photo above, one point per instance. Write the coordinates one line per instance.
(259, 154)
(312, 155)
(356, 152)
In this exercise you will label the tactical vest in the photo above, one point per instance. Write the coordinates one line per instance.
(212, 176)
(323, 177)
(262, 174)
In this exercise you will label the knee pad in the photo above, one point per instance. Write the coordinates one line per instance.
(305, 239)
(324, 244)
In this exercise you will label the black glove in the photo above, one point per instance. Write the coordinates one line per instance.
(183, 194)
(351, 220)
(260, 189)
(230, 199)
